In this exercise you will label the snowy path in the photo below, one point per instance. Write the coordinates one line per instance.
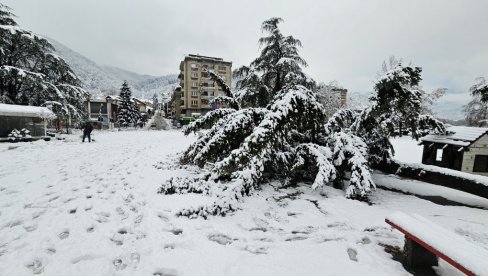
(68, 208)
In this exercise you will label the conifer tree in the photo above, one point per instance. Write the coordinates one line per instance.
(480, 89)
(278, 65)
(476, 111)
(128, 112)
(31, 74)
(279, 133)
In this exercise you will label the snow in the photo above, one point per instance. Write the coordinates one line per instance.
(462, 136)
(428, 190)
(407, 149)
(453, 246)
(25, 111)
(72, 208)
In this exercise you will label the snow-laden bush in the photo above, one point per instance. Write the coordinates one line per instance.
(16, 135)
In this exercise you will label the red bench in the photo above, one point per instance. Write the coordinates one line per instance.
(426, 241)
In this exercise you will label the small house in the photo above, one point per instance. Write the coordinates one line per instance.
(32, 118)
(103, 111)
(464, 149)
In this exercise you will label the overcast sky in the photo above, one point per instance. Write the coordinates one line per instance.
(342, 40)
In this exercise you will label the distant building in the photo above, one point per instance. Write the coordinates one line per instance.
(342, 94)
(197, 89)
(103, 111)
(32, 118)
(465, 150)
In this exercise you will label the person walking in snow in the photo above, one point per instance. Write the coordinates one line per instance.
(87, 129)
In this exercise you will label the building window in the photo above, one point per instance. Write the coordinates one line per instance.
(480, 163)
(194, 84)
(204, 101)
(211, 85)
(222, 68)
(194, 102)
(194, 93)
(194, 65)
(194, 75)
(438, 156)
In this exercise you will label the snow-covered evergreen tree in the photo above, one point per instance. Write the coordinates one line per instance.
(281, 137)
(288, 136)
(128, 112)
(31, 74)
(278, 65)
(476, 111)
(396, 109)
(480, 89)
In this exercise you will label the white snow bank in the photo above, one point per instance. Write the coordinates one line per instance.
(473, 177)
(426, 189)
(454, 246)
(25, 111)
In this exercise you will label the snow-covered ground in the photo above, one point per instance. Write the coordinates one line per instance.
(68, 208)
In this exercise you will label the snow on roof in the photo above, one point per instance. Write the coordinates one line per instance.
(462, 136)
(214, 59)
(25, 111)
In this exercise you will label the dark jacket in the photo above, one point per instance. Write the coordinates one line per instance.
(87, 128)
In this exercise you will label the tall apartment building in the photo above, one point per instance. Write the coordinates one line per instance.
(197, 89)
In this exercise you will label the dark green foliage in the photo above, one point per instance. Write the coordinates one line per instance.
(128, 110)
(480, 89)
(278, 65)
(31, 74)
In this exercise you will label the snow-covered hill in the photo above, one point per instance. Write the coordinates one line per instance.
(106, 80)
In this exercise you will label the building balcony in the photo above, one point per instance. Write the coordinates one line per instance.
(208, 87)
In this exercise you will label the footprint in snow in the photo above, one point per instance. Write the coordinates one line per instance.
(352, 254)
(138, 220)
(36, 266)
(296, 238)
(165, 272)
(29, 227)
(364, 240)
(119, 265)
(53, 198)
(256, 250)
(37, 214)
(64, 234)
(220, 239)
(163, 217)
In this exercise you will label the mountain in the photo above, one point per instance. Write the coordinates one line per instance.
(106, 80)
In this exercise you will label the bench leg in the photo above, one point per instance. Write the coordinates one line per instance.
(416, 256)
